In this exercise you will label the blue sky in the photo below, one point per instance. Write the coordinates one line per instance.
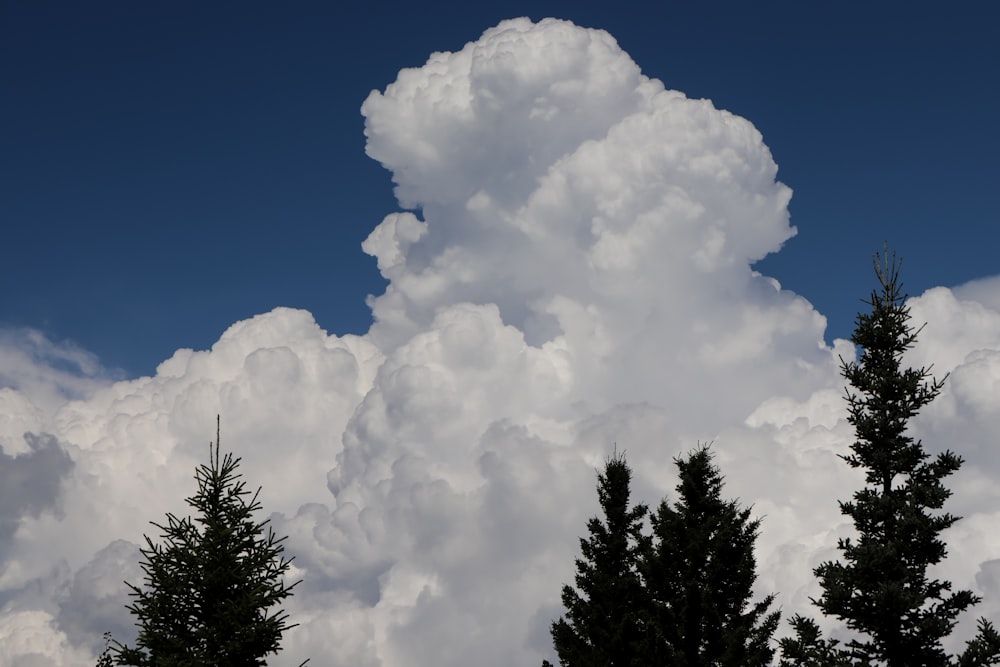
(171, 168)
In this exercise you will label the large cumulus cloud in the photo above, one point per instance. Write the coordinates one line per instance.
(572, 272)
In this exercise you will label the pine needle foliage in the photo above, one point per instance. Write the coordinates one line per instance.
(601, 627)
(881, 588)
(105, 659)
(212, 583)
(700, 572)
(680, 597)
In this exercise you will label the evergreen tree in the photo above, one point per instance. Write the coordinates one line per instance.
(104, 659)
(601, 627)
(699, 572)
(881, 588)
(211, 583)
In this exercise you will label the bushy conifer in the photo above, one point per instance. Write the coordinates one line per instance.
(700, 572)
(601, 627)
(212, 584)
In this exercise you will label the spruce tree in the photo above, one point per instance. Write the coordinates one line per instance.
(601, 627)
(699, 571)
(881, 588)
(211, 583)
(105, 659)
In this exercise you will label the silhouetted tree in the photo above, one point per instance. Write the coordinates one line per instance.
(105, 659)
(601, 627)
(881, 588)
(211, 583)
(699, 571)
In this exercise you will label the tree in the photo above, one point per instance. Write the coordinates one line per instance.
(602, 623)
(104, 659)
(881, 588)
(212, 581)
(699, 571)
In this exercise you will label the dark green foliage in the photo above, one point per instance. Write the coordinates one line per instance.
(984, 649)
(602, 626)
(211, 583)
(105, 660)
(699, 574)
(881, 588)
(808, 647)
(679, 597)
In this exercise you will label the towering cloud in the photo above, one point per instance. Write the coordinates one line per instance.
(572, 271)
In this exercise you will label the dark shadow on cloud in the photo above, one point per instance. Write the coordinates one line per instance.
(31, 482)
(94, 603)
(988, 578)
(365, 589)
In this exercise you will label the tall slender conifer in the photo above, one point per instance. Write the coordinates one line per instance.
(897, 612)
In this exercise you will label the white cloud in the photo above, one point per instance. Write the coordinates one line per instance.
(37, 376)
(578, 276)
(29, 640)
(984, 290)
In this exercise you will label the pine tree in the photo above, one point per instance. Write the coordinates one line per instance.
(699, 571)
(211, 583)
(601, 627)
(105, 659)
(881, 588)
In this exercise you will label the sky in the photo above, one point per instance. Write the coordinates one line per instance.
(430, 264)
(170, 168)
